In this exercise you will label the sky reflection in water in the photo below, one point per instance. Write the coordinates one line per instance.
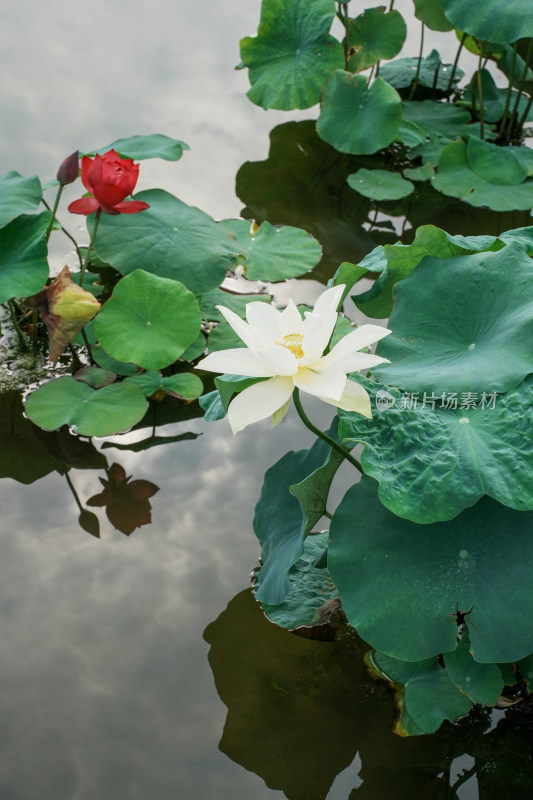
(107, 691)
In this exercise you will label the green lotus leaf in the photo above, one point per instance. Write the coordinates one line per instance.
(410, 134)
(457, 178)
(185, 385)
(228, 385)
(460, 324)
(358, 119)
(482, 683)
(494, 99)
(148, 320)
(279, 522)
(525, 666)
(397, 261)
(375, 34)
(95, 376)
(23, 256)
(442, 119)
(429, 152)
(431, 14)
(427, 695)
(105, 361)
(437, 455)
(429, 72)
(313, 491)
(101, 412)
(156, 145)
(423, 173)
(311, 588)
(495, 164)
(402, 584)
(292, 54)
(380, 184)
(212, 406)
(18, 195)
(273, 253)
(492, 20)
(235, 302)
(170, 239)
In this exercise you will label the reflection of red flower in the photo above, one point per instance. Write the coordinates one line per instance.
(109, 179)
(127, 504)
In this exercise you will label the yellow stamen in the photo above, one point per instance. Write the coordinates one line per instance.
(293, 342)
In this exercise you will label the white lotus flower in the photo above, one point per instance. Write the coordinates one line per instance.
(288, 350)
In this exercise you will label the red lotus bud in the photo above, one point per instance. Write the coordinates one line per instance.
(69, 169)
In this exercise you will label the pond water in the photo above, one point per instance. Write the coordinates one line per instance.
(139, 665)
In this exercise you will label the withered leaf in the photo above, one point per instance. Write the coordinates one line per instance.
(64, 308)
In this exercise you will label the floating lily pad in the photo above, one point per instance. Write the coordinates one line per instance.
(170, 239)
(494, 99)
(279, 522)
(375, 34)
(156, 145)
(185, 385)
(23, 256)
(91, 412)
(356, 118)
(292, 54)
(492, 20)
(18, 195)
(397, 261)
(429, 72)
(311, 588)
(460, 324)
(427, 695)
(380, 184)
(410, 134)
(273, 253)
(482, 683)
(442, 119)
(402, 584)
(457, 177)
(148, 320)
(437, 455)
(235, 302)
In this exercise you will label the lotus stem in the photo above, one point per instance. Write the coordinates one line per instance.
(514, 114)
(54, 211)
(13, 315)
(97, 216)
(454, 67)
(67, 234)
(415, 79)
(509, 90)
(480, 94)
(321, 434)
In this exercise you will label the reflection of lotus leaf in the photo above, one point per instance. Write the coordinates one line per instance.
(401, 584)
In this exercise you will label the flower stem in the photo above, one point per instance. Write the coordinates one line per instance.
(13, 315)
(90, 247)
(67, 234)
(332, 443)
(54, 211)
